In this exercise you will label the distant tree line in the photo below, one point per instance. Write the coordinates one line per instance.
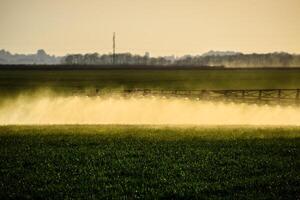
(39, 58)
(120, 59)
(237, 60)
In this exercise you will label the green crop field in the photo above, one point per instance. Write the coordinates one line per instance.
(15, 81)
(92, 162)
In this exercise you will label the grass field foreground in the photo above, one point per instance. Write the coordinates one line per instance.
(77, 161)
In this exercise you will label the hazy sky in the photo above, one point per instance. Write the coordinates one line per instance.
(161, 27)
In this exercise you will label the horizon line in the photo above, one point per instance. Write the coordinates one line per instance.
(166, 55)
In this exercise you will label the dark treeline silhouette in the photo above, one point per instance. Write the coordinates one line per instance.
(39, 58)
(120, 59)
(235, 60)
(227, 59)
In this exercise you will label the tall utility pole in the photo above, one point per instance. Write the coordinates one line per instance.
(114, 48)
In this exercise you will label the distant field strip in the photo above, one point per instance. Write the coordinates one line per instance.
(67, 81)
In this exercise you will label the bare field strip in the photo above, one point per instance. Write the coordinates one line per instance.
(67, 81)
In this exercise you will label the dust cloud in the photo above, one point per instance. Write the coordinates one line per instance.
(57, 109)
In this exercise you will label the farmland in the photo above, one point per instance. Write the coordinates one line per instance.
(14, 81)
(144, 161)
(96, 161)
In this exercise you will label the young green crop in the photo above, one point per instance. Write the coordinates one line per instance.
(56, 162)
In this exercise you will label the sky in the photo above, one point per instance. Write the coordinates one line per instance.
(160, 27)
